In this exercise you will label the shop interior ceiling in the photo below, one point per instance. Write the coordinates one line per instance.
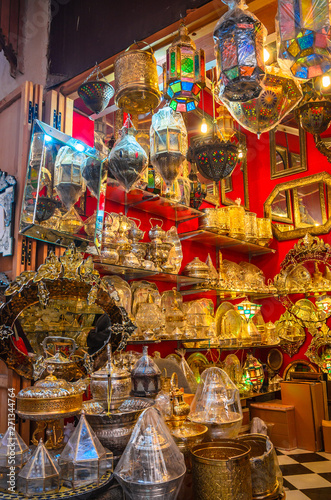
(200, 23)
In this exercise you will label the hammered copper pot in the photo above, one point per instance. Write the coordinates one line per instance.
(221, 471)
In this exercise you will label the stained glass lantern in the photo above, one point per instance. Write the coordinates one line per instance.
(314, 111)
(253, 372)
(239, 37)
(40, 475)
(303, 37)
(279, 96)
(247, 311)
(168, 136)
(84, 460)
(183, 73)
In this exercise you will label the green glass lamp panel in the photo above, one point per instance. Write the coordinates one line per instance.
(173, 62)
(232, 73)
(173, 105)
(187, 66)
(197, 67)
(176, 87)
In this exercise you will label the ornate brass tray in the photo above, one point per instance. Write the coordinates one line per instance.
(70, 291)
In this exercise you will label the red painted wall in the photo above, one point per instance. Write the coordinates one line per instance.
(260, 186)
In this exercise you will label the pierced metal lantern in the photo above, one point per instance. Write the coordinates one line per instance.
(303, 37)
(184, 73)
(314, 112)
(136, 81)
(279, 96)
(96, 94)
(215, 159)
(168, 136)
(239, 37)
(247, 311)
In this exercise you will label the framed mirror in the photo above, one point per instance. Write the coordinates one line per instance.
(281, 208)
(288, 149)
(308, 198)
(309, 205)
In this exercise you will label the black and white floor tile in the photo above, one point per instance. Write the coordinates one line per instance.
(306, 475)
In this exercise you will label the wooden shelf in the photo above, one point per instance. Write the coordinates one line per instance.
(151, 203)
(228, 348)
(225, 242)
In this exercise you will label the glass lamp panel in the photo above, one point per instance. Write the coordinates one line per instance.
(161, 141)
(174, 139)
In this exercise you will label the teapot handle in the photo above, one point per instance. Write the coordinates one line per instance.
(155, 218)
(135, 219)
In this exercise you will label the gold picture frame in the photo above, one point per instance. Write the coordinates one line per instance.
(300, 230)
(288, 156)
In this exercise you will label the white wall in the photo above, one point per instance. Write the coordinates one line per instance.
(36, 23)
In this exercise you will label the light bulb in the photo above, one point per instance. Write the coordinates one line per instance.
(240, 154)
(266, 55)
(326, 81)
(204, 127)
(79, 147)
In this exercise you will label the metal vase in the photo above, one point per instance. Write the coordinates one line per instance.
(221, 471)
(158, 491)
(266, 475)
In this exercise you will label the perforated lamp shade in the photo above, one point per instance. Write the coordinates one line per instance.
(279, 96)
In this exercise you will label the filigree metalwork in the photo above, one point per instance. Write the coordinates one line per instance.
(60, 282)
(322, 340)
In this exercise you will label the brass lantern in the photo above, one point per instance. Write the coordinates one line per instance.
(168, 136)
(239, 38)
(136, 81)
(184, 73)
(225, 124)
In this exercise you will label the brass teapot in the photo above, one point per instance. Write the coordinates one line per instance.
(179, 408)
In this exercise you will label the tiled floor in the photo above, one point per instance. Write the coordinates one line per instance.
(306, 475)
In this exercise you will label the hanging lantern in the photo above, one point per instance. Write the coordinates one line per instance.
(279, 96)
(184, 73)
(303, 37)
(239, 37)
(68, 180)
(314, 112)
(247, 311)
(225, 124)
(215, 159)
(136, 81)
(198, 191)
(127, 160)
(96, 94)
(253, 372)
(168, 136)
